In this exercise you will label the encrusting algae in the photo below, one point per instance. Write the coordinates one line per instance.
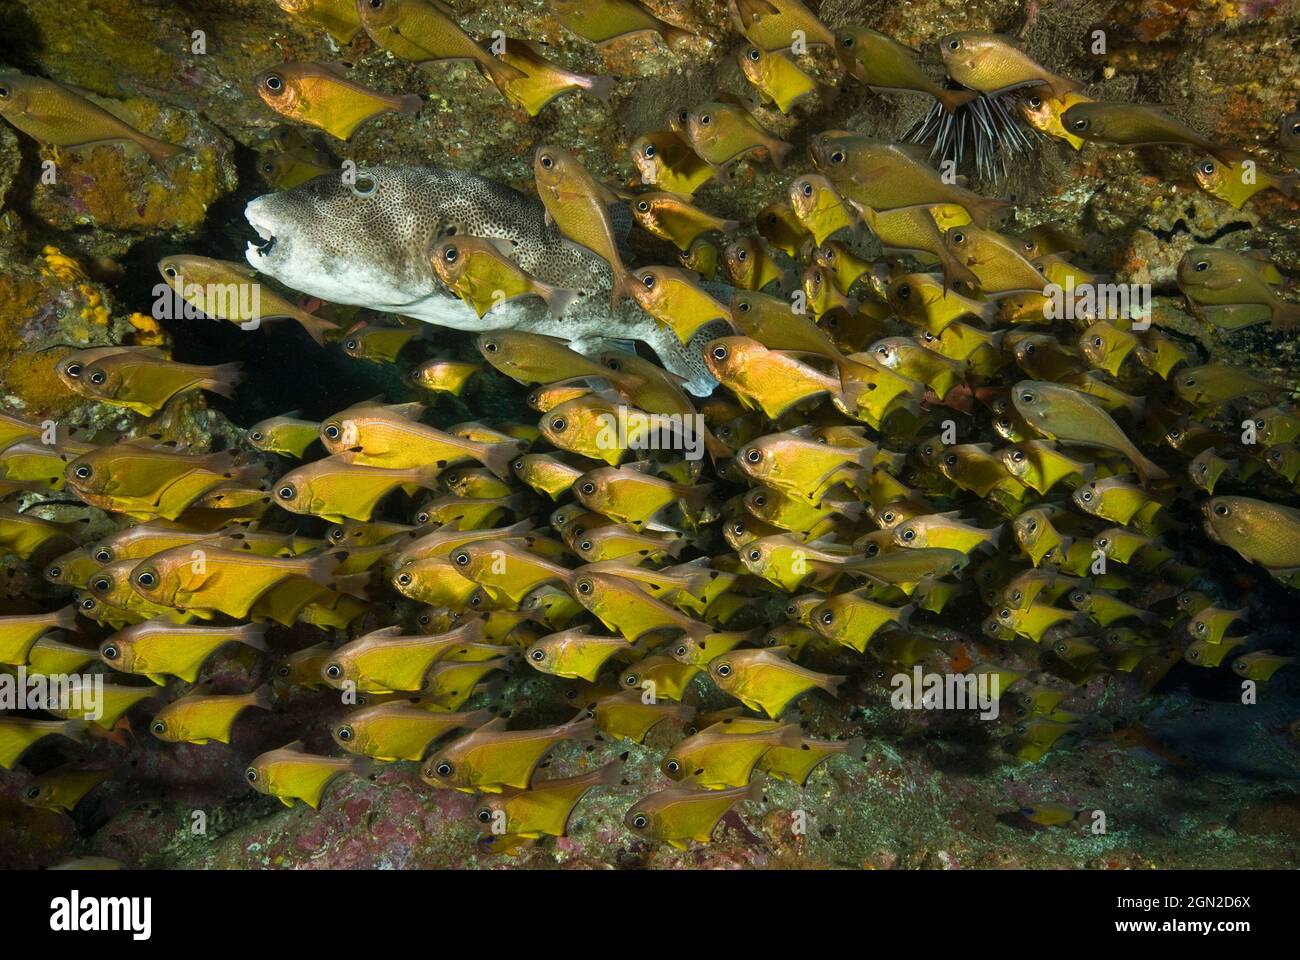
(756, 463)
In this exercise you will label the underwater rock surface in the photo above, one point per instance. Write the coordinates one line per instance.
(1184, 773)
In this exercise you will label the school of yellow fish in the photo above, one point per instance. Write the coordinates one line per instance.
(890, 447)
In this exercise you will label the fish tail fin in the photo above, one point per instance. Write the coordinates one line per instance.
(67, 617)
(262, 698)
(790, 737)
(476, 718)
(831, 683)
(362, 766)
(1287, 185)
(611, 774)
(602, 88)
(497, 457)
(160, 152)
(779, 151)
(953, 100)
(410, 104)
(854, 746)
(76, 730)
(987, 210)
(716, 448)
(316, 327)
(954, 271)
(253, 634)
(675, 546)
(581, 727)
(1148, 470)
(223, 378)
(1286, 316)
(905, 615)
(697, 497)
(623, 281)
(558, 299)
(321, 569)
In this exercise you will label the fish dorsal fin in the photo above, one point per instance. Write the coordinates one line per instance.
(295, 747)
(782, 652)
(495, 725)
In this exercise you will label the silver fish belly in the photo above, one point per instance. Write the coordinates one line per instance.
(367, 244)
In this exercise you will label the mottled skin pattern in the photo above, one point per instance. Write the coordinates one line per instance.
(368, 244)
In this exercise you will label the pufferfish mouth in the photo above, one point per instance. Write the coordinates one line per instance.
(258, 250)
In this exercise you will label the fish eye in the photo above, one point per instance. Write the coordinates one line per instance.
(584, 586)
(1026, 397)
(283, 670)
(954, 44)
(904, 291)
(102, 585)
(1085, 496)
(461, 558)
(255, 436)
(110, 652)
(376, 4)
(450, 254)
(807, 189)
(648, 281)
(54, 572)
(649, 151)
(350, 344)
(250, 775)
(97, 377)
(286, 492)
(518, 465)
(706, 120)
(403, 579)
(444, 769)
(589, 488)
(742, 255)
(846, 41)
(753, 454)
(672, 766)
(422, 517)
(1295, 128)
(1097, 341)
(613, 364)
(336, 535)
(159, 727)
(88, 603)
(755, 55)
(558, 424)
(73, 369)
(1222, 510)
(888, 516)
(1081, 124)
(1031, 526)
(484, 815)
(1004, 614)
(640, 821)
(950, 459)
(104, 556)
(332, 431)
(837, 157)
(365, 186)
(1035, 102)
(643, 206)
(760, 501)
(908, 534)
(273, 82)
(4, 93)
(958, 237)
(828, 617)
(345, 733)
(724, 670)
(1018, 455)
(146, 578)
(738, 527)
(1031, 348)
(537, 655)
(1207, 167)
(490, 346)
(585, 546)
(334, 671)
(719, 353)
(630, 680)
(755, 554)
(547, 161)
(1202, 266)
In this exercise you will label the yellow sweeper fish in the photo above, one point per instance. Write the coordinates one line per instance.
(290, 773)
